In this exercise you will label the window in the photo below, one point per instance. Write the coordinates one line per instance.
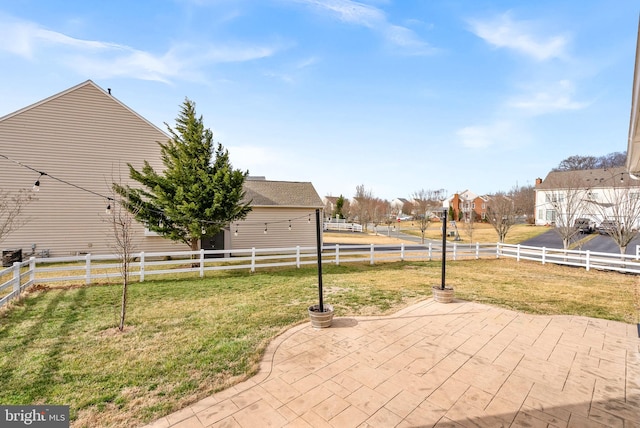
(554, 197)
(551, 215)
(473, 205)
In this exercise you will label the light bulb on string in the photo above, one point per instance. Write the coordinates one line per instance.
(236, 232)
(289, 224)
(108, 209)
(36, 185)
(309, 221)
(265, 228)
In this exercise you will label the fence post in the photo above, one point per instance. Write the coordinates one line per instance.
(455, 247)
(498, 250)
(372, 249)
(141, 266)
(32, 270)
(298, 256)
(402, 252)
(544, 255)
(588, 259)
(88, 269)
(201, 262)
(337, 254)
(253, 259)
(477, 250)
(518, 252)
(16, 279)
(637, 252)
(429, 251)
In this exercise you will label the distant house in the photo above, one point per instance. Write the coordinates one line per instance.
(85, 137)
(282, 215)
(329, 204)
(593, 190)
(466, 204)
(398, 205)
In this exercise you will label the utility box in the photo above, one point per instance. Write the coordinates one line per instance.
(9, 257)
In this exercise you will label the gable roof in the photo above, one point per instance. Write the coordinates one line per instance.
(75, 88)
(291, 194)
(587, 178)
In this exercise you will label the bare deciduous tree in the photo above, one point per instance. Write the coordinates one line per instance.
(469, 225)
(569, 201)
(619, 206)
(121, 220)
(524, 199)
(363, 206)
(424, 203)
(501, 214)
(11, 209)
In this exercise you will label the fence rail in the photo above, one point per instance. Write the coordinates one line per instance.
(91, 268)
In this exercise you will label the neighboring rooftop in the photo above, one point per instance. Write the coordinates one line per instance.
(281, 193)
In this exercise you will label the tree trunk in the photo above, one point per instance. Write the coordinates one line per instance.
(123, 307)
(194, 247)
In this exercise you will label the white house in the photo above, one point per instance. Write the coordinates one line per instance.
(595, 194)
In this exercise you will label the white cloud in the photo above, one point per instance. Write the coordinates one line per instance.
(356, 13)
(551, 98)
(105, 59)
(504, 32)
(482, 137)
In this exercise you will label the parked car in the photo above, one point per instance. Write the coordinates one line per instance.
(584, 225)
(607, 227)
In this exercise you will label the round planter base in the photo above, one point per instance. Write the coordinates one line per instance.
(442, 295)
(321, 319)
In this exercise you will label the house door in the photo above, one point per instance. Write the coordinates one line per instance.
(215, 242)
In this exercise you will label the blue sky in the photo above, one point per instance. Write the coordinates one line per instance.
(396, 95)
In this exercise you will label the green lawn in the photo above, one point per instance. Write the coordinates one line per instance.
(188, 338)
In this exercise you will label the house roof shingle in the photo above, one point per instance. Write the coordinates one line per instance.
(282, 194)
(587, 178)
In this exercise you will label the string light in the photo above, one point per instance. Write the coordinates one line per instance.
(36, 185)
(110, 200)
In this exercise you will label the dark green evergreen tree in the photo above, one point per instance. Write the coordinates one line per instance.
(339, 206)
(197, 194)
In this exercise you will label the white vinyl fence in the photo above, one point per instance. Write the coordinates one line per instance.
(93, 268)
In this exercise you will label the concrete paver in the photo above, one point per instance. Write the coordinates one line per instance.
(460, 364)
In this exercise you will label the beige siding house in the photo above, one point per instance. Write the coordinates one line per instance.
(286, 209)
(85, 137)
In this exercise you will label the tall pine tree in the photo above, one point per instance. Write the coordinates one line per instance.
(197, 194)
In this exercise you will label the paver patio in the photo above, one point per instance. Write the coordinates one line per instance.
(461, 364)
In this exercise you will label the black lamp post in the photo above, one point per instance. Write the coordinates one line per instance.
(444, 246)
(319, 251)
